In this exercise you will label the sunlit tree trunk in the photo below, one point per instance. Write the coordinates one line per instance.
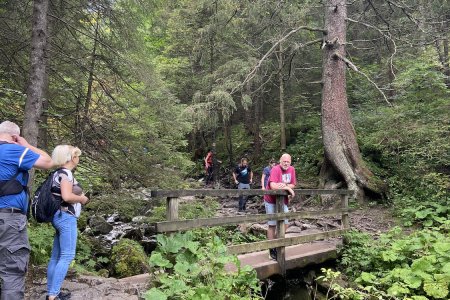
(342, 154)
(36, 85)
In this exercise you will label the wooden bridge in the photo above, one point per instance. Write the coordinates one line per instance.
(293, 251)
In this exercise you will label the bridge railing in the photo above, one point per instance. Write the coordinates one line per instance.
(174, 224)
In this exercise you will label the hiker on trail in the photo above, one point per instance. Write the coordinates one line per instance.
(66, 188)
(282, 177)
(266, 173)
(17, 156)
(243, 177)
(209, 166)
(210, 162)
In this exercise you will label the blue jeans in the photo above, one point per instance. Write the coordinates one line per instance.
(63, 252)
(243, 199)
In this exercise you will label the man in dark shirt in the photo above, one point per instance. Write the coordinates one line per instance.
(243, 177)
(16, 158)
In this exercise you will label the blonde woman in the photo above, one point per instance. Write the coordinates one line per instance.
(65, 187)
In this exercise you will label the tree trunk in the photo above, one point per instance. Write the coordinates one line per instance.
(339, 136)
(281, 89)
(36, 85)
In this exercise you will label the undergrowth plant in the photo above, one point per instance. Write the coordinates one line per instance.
(415, 266)
(186, 269)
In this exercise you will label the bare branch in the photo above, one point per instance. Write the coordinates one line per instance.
(387, 36)
(268, 53)
(354, 68)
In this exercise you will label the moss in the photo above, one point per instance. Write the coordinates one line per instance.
(128, 258)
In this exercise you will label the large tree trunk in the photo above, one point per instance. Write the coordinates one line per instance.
(339, 137)
(36, 85)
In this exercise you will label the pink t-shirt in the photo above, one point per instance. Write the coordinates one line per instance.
(278, 175)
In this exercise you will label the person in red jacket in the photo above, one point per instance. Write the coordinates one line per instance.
(209, 167)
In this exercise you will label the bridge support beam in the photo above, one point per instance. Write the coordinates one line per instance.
(280, 231)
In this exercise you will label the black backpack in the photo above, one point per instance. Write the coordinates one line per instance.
(45, 204)
(11, 186)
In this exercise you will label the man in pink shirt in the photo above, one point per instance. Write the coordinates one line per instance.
(282, 177)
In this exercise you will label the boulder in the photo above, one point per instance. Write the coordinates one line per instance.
(99, 225)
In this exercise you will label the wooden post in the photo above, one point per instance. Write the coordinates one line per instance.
(280, 235)
(345, 218)
(172, 209)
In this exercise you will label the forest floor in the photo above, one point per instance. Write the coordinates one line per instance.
(373, 219)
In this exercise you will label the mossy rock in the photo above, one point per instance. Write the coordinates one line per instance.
(128, 258)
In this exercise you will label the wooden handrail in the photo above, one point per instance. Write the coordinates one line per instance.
(180, 225)
(237, 193)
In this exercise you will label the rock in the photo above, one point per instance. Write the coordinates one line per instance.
(308, 226)
(99, 225)
(133, 234)
(258, 229)
(293, 229)
(113, 218)
(244, 228)
(138, 219)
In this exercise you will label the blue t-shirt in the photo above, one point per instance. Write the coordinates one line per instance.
(12, 158)
(266, 171)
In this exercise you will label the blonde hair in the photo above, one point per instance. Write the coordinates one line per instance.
(64, 153)
(9, 128)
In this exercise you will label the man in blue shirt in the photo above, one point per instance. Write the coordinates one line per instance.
(17, 156)
(243, 177)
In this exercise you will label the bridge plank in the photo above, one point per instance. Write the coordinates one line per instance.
(179, 225)
(298, 256)
(237, 193)
(263, 245)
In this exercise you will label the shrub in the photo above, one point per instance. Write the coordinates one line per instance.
(41, 242)
(405, 267)
(184, 269)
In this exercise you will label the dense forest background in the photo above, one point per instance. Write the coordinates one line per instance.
(144, 88)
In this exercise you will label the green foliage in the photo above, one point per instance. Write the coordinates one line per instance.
(199, 208)
(41, 242)
(87, 258)
(403, 266)
(128, 258)
(423, 200)
(186, 269)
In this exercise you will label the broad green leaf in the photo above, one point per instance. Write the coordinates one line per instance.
(442, 248)
(422, 264)
(436, 289)
(157, 260)
(397, 290)
(368, 277)
(389, 255)
(182, 268)
(446, 268)
(155, 294)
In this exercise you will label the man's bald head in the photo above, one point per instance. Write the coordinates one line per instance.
(285, 161)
